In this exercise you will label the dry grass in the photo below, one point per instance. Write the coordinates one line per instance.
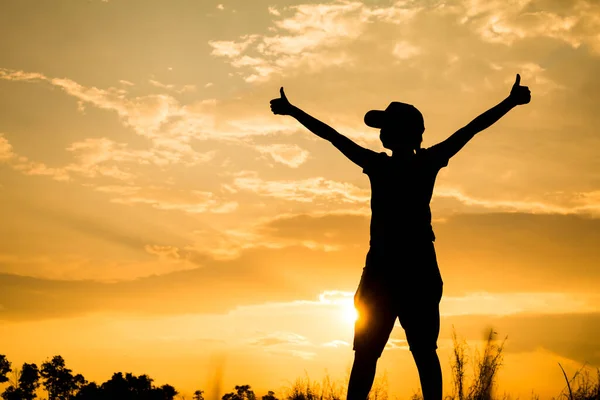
(485, 367)
(482, 385)
(582, 386)
(327, 389)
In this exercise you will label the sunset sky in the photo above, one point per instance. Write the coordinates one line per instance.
(157, 218)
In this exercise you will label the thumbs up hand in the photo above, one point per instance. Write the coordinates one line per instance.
(281, 105)
(520, 94)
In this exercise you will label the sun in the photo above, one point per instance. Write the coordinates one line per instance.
(349, 313)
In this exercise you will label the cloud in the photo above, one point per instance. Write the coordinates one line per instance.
(573, 336)
(290, 155)
(182, 89)
(6, 151)
(311, 37)
(258, 274)
(576, 203)
(280, 338)
(146, 115)
(215, 287)
(164, 251)
(190, 201)
(517, 252)
(160, 85)
(23, 164)
(501, 252)
(13, 75)
(327, 233)
(60, 174)
(445, 198)
(508, 263)
(404, 50)
(102, 157)
(168, 125)
(506, 22)
(307, 190)
(224, 48)
(504, 304)
(336, 343)
(353, 36)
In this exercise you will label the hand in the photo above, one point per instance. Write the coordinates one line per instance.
(281, 105)
(520, 94)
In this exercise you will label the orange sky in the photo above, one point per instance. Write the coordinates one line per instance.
(158, 218)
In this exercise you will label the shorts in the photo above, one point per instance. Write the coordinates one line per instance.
(412, 297)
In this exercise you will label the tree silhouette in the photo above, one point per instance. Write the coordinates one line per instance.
(58, 381)
(270, 396)
(116, 387)
(12, 393)
(166, 392)
(61, 384)
(4, 368)
(25, 384)
(29, 381)
(90, 391)
(243, 392)
(198, 395)
(131, 387)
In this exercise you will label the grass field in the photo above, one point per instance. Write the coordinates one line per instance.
(479, 385)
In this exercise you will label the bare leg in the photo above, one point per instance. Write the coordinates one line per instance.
(362, 376)
(430, 373)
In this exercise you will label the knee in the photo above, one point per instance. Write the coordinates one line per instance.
(365, 358)
(424, 351)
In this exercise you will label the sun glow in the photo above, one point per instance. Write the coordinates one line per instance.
(349, 312)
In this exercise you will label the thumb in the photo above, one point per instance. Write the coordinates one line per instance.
(283, 96)
(518, 80)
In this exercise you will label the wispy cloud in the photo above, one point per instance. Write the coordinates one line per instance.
(102, 157)
(404, 50)
(288, 154)
(586, 203)
(146, 115)
(169, 128)
(280, 338)
(336, 343)
(160, 118)
(306, 190)
(172, 87)
(515, 303)
(316, 36)
(321, 189)
(168, 198)
(575, 22)
(280, 345)
(310, 37)
(6, 151)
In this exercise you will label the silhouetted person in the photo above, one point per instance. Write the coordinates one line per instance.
(401, 278)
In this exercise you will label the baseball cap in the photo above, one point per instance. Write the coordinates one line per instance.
(397, 113)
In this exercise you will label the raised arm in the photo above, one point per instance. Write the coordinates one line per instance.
(518, 95)
(357, 154)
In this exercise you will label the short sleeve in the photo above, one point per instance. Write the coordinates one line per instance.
(436, 158)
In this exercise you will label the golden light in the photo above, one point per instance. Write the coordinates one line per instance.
(349, 313)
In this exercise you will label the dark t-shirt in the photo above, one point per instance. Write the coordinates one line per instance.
(401, 190)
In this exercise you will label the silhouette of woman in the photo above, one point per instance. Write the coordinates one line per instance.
(401, 278)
